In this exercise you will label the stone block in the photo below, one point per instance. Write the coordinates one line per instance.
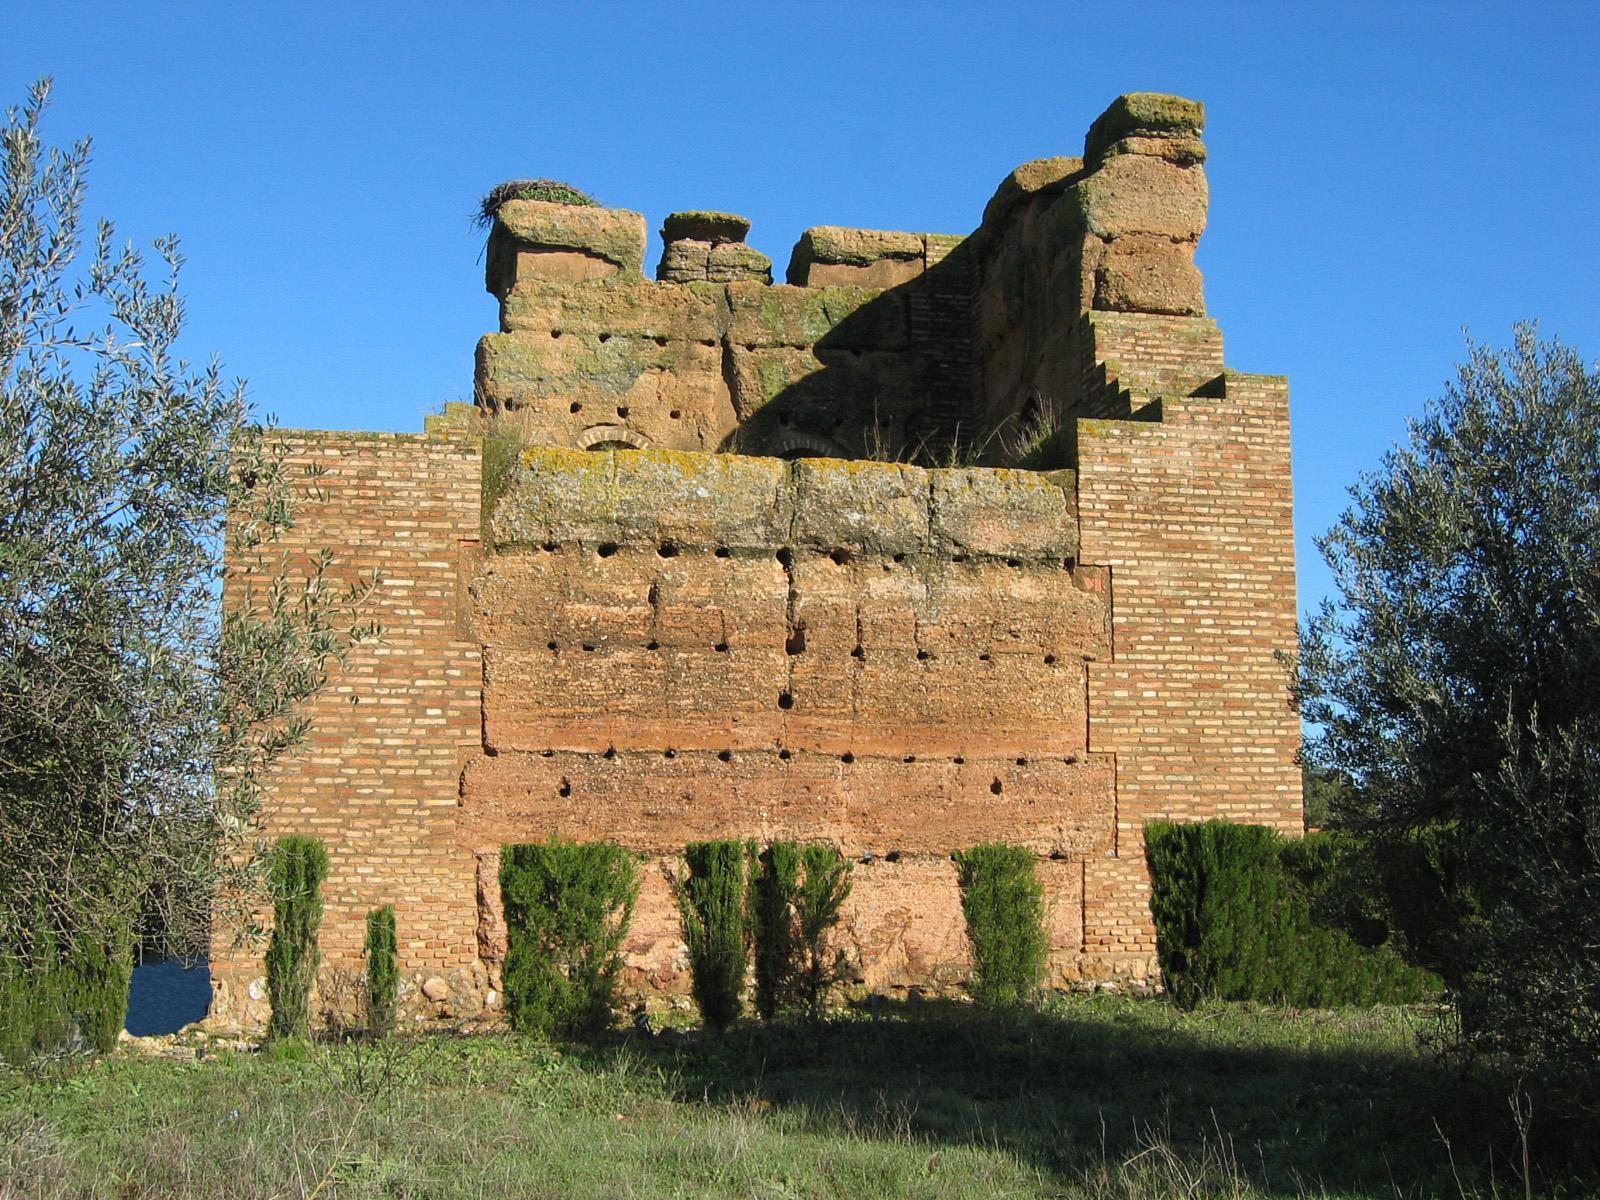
(613, 234)
(607, 497)
(1027, 181)
(842, 317)
(701, 225)
(1151, 275)
(865, 507)
(728, 261)
(1139, 194)
(623, 305)
(1003, 514)
(1148, 113)
(684, 261)
(833, 255)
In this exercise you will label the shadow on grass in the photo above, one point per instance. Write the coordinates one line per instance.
(1292, 1103)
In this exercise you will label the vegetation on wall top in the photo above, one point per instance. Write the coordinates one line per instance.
(551, 191)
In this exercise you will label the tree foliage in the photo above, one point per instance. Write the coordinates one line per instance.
(137, 718)
(1455, 683)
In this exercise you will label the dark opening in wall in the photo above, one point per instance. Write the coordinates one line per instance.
(566, 787)
(796, 641)
(667, 550)
(724, 755)
(997, 787)
(606, 549)
(785, 700)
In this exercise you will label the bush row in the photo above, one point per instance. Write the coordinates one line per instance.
(1234, 914)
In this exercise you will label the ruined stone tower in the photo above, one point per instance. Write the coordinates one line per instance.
(945, 540)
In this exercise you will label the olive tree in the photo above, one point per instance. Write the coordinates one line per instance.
(1456, 681)
(137, 714)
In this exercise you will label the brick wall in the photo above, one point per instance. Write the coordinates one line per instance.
(1193, 517)
(379, 779)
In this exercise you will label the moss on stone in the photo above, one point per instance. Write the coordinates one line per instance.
(704, 225)
(613, 234)
(858, 247)
(1144, 113)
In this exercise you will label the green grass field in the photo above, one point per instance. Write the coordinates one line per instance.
(1094, 1097)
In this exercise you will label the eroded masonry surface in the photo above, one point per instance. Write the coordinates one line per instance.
(945, 540)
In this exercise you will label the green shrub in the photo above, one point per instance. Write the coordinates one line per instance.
(297, 870)
(824, 887)
(773, 925)
(1004, 907)
(383, 970)
(63, 997)
(567, 906)
(795, 897)
(1233, 909)
(711, 903)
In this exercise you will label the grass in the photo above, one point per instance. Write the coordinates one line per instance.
(1096, 1097)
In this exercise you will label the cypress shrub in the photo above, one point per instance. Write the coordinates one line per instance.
(297, 870)
(1233, 908)
(65, 994)
(567, 906)
(711, 903)
(383, 970)
(824, 887)
(1004, 907)
(795, 897)
(772, 907)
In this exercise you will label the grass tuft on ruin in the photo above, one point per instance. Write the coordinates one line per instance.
(551, 191)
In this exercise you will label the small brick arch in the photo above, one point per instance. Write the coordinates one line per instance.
(793, 443)
(612, 437)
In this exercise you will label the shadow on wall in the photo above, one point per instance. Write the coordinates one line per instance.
(892, 377)
(890, 380)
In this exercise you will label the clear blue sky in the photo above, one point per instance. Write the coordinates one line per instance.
(1382, 174)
